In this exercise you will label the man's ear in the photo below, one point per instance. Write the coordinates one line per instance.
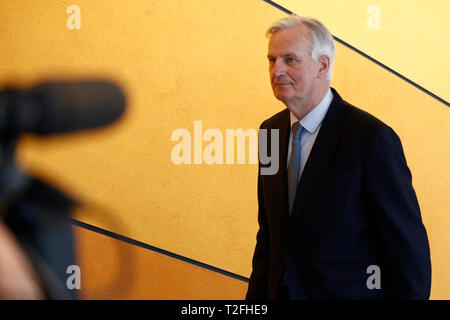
(324, 62)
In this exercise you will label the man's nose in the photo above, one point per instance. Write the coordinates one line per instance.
(278, 68)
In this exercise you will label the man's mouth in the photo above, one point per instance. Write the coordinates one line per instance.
(281, 84)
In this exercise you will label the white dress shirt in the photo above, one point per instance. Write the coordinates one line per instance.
(312, 123)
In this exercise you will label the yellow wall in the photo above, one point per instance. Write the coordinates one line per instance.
(205, 60)
(133, 272)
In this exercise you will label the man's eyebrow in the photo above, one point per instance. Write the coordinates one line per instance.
(285, 55)
(290, 55)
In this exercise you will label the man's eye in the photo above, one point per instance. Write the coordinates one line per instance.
(291, 60)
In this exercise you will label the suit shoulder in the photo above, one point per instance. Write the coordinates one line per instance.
(276, 120)
(363, 121)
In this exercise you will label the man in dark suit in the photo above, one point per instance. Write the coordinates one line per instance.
(340, 218)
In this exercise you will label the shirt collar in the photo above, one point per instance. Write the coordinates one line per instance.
(314, 118)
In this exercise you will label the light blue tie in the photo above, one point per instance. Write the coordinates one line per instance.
(294, 163)
(290, 277)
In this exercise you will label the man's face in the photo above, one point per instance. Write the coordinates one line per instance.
(293, 74)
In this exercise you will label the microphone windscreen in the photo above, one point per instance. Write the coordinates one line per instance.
(69, 106)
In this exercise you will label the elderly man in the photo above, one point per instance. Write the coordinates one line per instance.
(340, 218)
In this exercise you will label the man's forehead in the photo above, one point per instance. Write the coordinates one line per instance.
(289, 41)
(300, 33)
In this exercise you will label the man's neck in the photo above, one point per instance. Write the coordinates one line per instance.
(302, 108)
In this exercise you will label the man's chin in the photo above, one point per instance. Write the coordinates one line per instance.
(280, 96)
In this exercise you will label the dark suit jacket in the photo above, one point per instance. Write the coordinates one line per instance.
(355, 207)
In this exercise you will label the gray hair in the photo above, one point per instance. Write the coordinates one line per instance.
(322, 43)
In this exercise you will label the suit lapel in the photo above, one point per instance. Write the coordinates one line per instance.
(277, 183)
(322, 150)
(284, 144)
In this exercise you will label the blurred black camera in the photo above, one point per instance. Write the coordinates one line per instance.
(37, 213)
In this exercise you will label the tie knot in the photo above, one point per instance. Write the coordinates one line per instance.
(296, 130)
